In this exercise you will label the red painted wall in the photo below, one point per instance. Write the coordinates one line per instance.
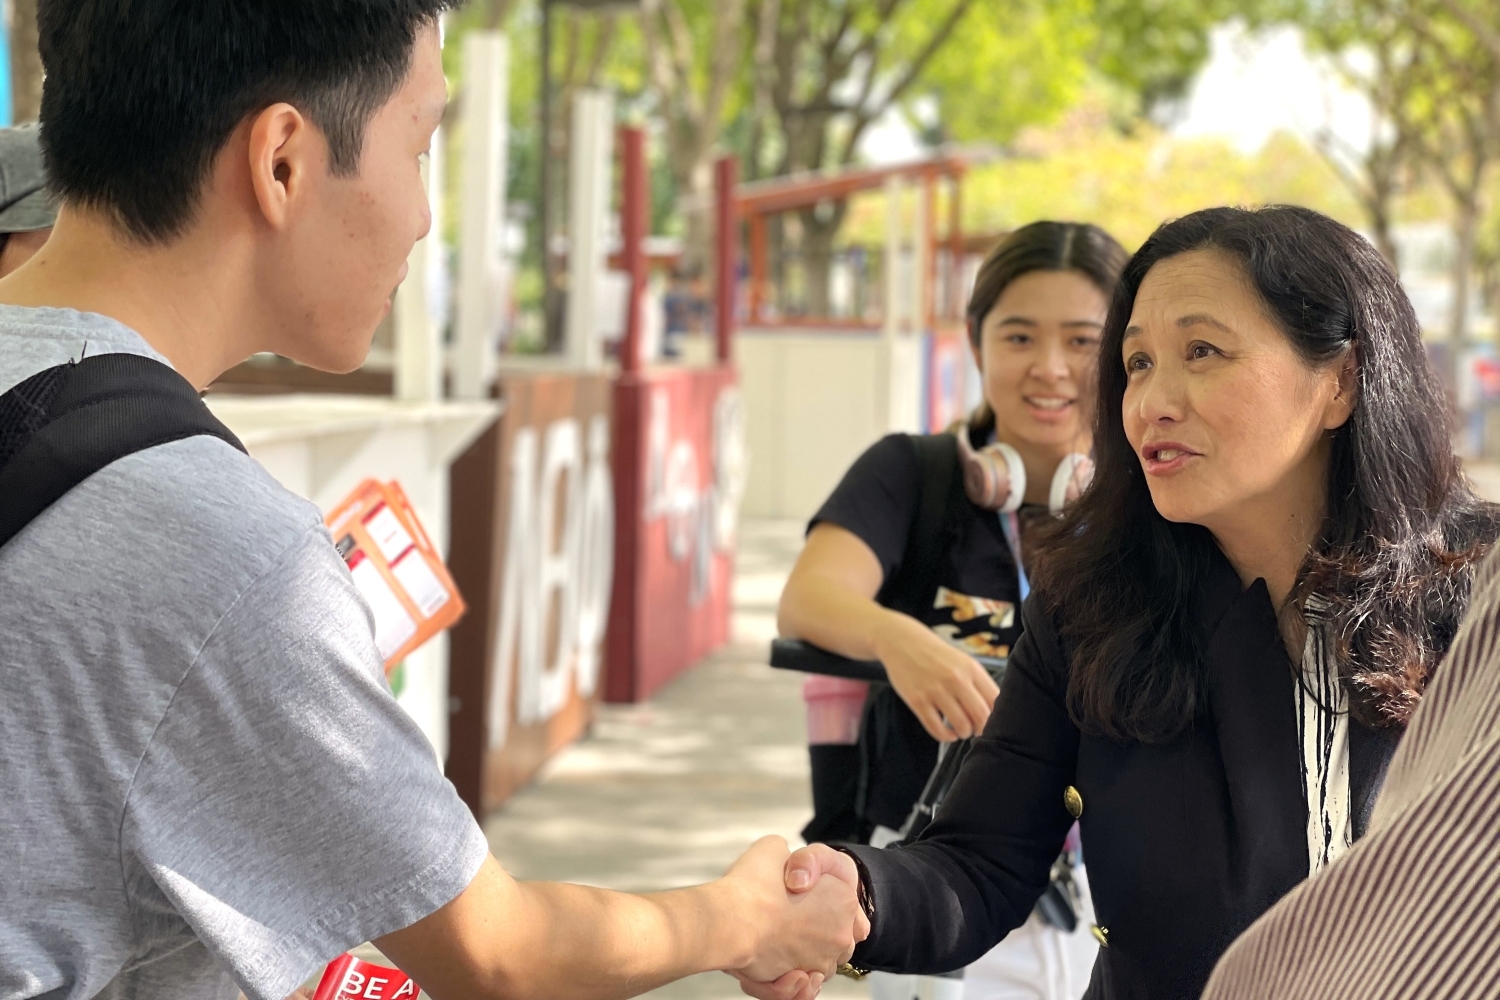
(679, 477)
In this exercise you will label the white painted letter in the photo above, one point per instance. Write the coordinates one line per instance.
(594, 573)
(516, 648)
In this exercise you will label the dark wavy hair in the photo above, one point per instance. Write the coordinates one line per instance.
(1396, 553)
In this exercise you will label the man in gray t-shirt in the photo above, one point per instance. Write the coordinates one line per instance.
(200, 757)
(208, 786)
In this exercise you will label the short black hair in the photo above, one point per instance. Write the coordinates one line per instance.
(141, 95)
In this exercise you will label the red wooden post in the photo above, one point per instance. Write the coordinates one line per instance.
(759, 251)
(957, 307)
(635, 198)
(627, 457)
(928, 236)
(728, 239)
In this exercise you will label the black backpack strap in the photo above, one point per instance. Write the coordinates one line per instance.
(911, 587)
(62, 425)
(910, 590)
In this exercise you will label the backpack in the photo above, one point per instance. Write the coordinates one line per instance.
(61, 425)
(875, 783)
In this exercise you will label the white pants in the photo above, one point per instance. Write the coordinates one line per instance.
(1035, 962)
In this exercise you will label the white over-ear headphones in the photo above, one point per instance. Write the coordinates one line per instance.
(995, 476)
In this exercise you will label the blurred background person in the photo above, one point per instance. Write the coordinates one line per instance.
(863, 588)
(685, 306)
(1230, 629)
(26, 211)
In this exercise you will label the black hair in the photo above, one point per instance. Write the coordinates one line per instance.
(1396, 554)
(141, 95)
(1045, 246)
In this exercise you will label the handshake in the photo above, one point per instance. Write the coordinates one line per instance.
(802, 913)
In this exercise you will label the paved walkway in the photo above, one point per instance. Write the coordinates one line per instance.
(670, 792)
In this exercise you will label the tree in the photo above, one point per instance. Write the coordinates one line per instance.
(1433, 77)
(1375, 55)
(831, 70)
(693, 57)
(1082, 168)
(1152, 49)
(1458, 112)
(496, 13)
(1463, 117)
(990, 67)
(1011, 64)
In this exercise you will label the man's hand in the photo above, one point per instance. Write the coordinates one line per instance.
(946, 689)
(812, 930)
(803, 871)
(796, 985)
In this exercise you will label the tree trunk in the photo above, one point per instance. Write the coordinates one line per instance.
(694, 111)
(768, 16)
(817, 254)
(1465, 233)
(499, 14)
(697, 203)
(25, 63)
(1465, 236)
(1385, 240)
(1379, 208)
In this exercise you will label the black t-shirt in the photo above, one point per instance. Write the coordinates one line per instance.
(976, 606)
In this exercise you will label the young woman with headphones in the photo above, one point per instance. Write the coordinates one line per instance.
(1035, 316)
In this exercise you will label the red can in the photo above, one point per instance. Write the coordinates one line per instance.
(347, 978)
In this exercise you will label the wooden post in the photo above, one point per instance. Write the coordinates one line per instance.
(635, 197)
(724, 259)
(928, 257)
(590, 163)
(891, 320)
(956, 247)
(481, 269)
(759, 266)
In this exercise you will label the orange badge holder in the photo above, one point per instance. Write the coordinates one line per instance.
(395, 567)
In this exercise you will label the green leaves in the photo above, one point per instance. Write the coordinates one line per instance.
(1011, 63)
(1014, 63)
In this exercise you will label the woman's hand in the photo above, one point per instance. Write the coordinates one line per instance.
(830, 601)
(944, 687)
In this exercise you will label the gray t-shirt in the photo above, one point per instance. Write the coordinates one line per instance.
(205, 779)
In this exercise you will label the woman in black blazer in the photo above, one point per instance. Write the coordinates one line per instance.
(1229, 630)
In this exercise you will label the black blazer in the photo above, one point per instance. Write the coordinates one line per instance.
(1186, 843)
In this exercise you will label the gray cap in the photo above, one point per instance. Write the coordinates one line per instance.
(24, 203)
